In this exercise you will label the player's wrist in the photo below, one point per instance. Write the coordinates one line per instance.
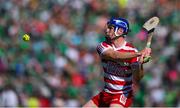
(136, 66)
(138, 53)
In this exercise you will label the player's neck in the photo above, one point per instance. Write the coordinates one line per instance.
(119, 42)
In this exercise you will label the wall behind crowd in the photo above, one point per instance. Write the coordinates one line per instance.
(59, 66)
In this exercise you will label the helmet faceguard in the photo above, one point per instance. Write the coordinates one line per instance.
(119, 23)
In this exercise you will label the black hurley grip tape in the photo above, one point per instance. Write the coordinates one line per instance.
(150, 31)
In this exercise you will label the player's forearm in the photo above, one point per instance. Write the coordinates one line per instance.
(138, 72)
(125, 55)
(115, 55)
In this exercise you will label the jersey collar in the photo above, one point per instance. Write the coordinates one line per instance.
(124, 44)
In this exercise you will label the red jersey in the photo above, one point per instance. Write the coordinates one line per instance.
(117, 75)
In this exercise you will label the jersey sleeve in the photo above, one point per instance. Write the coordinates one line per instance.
(102, 47)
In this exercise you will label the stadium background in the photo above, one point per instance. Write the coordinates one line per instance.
(60, 66)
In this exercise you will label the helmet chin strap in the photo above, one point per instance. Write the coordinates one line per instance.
(116, 32)
(116, 35)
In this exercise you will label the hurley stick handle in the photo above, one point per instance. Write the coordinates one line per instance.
(148, 45)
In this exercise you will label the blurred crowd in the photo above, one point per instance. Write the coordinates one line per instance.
(60, 67)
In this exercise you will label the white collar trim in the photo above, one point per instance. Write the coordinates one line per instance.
(124, 44)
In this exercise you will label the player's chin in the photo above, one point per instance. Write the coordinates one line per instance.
(108, 38)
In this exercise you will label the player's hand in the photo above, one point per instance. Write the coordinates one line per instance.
(144, 53)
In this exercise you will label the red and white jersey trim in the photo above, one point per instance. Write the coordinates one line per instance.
(116, 87)
(117, 82)
(116, 92)
(102, 47)
(115, 78)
